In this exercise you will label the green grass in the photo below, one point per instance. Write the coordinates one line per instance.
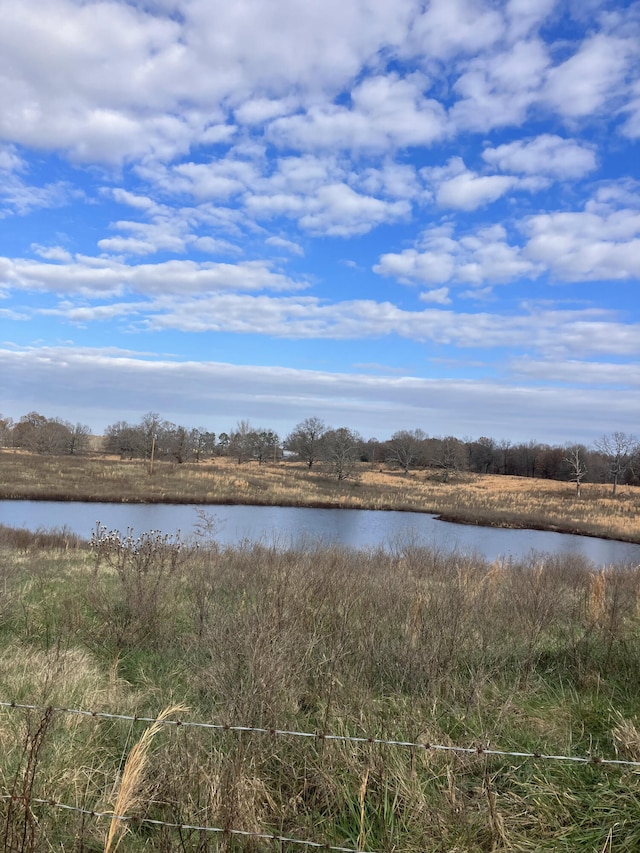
(414, 646)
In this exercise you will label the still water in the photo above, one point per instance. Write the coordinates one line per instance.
(286, 526)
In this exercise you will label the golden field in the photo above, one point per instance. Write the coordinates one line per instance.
(492, 500)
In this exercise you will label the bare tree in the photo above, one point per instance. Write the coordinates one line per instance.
(6, 426)
(405, 448)
(306, 440)
(78, 439)
(241, 441)
(341, 450)
(618, 448)
(450, 455)
(575, 461)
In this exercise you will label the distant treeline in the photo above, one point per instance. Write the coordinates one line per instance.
(615, 457)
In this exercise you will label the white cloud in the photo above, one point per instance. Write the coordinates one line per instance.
(547, 154)
(574, 372)
(22, 198)
(457, 187)
(52, 253)
(439, 296)
(586, 246)
(450, 27)
(478, 258)
(288, 245)
(10, 161)
(586, 81)
(335, 210)
(119, 81)
(468, 191)
(387, 112)
(631, 127)
(116, 385)
(96, 277)
(260, 110)
(170, 229)
(219, 179)
(393, 180)
(601, 242)
(525, 15)
(498, 90)
(563, 333)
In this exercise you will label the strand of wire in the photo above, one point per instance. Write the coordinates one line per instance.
(188, 827)
(469, 750)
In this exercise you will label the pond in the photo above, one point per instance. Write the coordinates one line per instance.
(292, 526)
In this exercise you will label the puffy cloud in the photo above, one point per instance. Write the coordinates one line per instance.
(457, 187)
(95, 277)
(584, 83)
(335, 210)
(387, 112)
(439, 296)
(548, 154)
(469, 191)
(498, 89)
(525, 15)
(449, 27)
(586, 246)
(118, 81)
(601, 242)
(287, 245)
(393, 180)
(478, 258)
(260, 110)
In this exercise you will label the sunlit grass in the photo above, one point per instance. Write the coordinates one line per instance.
(474, 499)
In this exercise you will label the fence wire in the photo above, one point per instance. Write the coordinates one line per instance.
(323, 736)
(187, 827)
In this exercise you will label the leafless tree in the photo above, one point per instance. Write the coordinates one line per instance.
(306, 440)
(405, 448)
(575, 461)
(6, 425)
(449, 455)
(618, 448)
(241, 441)
(341, 450)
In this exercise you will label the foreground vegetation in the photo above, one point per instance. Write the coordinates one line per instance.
(411, 645)
(500, 501)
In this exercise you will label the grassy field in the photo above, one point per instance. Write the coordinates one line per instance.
(412, 645)
(474, 499)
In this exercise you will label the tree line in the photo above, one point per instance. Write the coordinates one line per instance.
(614, 458)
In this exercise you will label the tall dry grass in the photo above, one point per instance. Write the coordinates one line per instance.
(474, 499)
(411, 645)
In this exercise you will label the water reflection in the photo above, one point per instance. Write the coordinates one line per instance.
(287, 526)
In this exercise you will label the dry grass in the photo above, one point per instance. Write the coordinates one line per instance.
(411, 645)
(132, 791)
(474, 499)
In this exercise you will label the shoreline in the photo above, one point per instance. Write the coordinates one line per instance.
(448, 517)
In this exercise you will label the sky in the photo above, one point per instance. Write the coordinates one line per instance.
(390, 215)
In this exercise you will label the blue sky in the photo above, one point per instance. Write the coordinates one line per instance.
(390, 215)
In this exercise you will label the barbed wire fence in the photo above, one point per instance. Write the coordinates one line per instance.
(178, 723)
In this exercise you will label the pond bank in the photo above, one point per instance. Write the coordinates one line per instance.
(482, 500)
